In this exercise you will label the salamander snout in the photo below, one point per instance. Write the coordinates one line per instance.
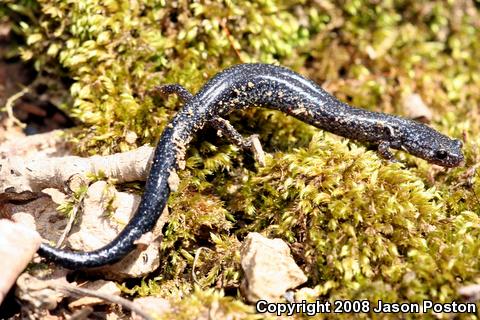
(448, 154)
(431, 145)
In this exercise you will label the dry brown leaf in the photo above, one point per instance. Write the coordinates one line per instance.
(415, 108)
(39, 293)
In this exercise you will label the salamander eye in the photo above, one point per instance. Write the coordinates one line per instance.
(441, 154)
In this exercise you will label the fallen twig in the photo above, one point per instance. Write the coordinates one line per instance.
(11, 101)
(80, 292)
(71, 220)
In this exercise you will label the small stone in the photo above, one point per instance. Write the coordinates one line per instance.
(56, 195)
(471, 292)
(18, 244)
(152, 305)
(131, 137)
(269, 268)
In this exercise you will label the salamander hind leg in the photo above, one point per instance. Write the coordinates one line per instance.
(252, 143)
(167, 89)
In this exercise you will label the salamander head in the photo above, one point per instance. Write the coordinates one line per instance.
(426, 143)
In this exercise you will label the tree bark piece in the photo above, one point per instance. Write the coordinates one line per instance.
(19, 174)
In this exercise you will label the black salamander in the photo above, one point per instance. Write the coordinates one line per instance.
(274, 87)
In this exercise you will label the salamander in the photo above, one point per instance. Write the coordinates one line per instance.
(269, 86)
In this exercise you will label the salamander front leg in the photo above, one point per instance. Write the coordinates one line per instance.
(384, 151)
(167, 89)
(252, 143)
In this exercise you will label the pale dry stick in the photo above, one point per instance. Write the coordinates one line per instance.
(70, 222)
(197, 255)
(223, 24)
(9, 106)
(80, 292)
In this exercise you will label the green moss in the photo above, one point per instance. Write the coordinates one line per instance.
(69, 206)
(196, 217)
(209, 303)
(117, 52)
(358, 223)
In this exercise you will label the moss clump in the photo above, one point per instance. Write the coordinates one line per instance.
(192, 240)
(117, 51)
(209, 304)
(362, 228)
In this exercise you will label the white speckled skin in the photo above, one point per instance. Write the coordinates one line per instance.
(247, 85)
